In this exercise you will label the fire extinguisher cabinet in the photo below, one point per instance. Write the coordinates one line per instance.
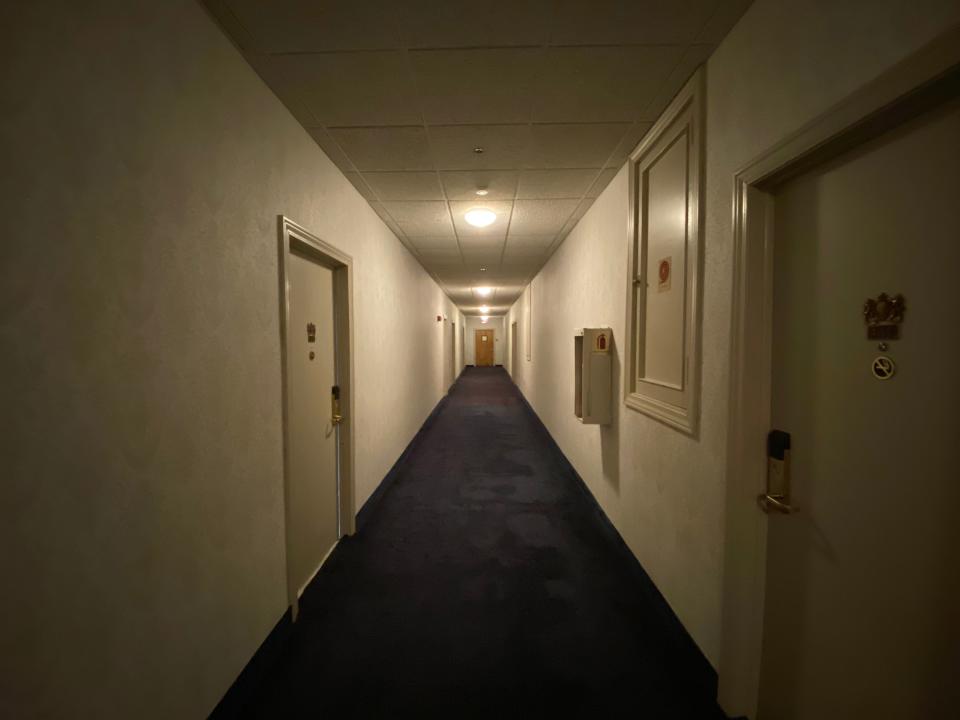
(593, 368)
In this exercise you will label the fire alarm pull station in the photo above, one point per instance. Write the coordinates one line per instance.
(593, 382)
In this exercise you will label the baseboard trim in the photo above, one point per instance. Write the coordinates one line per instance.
(248, 682)
(683, 650)
(364, 514)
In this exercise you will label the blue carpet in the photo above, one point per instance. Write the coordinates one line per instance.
(485, 582)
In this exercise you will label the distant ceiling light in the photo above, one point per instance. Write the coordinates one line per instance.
(484, 309)
(483, 269)
(484, 318)
(483, 291)
(478, 150)
(480, 217)
(481, 193)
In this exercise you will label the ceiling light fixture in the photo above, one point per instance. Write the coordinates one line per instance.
(484, 309)
(484, 318)
(480, 217)
(483, 269)
(481, 193)
(483, 291)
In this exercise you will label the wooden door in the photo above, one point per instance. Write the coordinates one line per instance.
(484, 351)
(862, 605)
(312, 512)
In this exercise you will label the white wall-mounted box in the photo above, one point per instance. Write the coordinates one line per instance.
(593, 381)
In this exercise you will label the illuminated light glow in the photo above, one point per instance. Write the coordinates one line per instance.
(483, 291)
(481, 193)
(484, 318)
(480, 217)
(484, 309)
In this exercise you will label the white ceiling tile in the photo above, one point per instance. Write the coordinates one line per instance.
(523, 253)
(306, 25)
(499, 184)
(546, 184)
(387, 219)
(505, 147)
(357, 181)
(404, 185)
(332, 149)
(634, 22)
(421, 218)
(552, 90)
(541, 217)
(441, 256)
(574, 145)
(286, 88)
(483, 257)
(497, 229)
(438, 243)
(722, 21)
(352, 88)
(601, 182)
(540, 242)
(476, 85)
(627, 143)
(602, 84)
(482, 242)
(463, 23)
(575, 216)
(693, 57)
(385, 148)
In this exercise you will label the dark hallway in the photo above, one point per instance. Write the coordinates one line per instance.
(485, 582)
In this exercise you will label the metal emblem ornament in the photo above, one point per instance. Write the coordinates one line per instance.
(883, 316)
(883, 367)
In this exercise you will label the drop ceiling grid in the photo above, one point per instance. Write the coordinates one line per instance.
(571, 75)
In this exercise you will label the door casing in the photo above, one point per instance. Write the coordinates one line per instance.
(294, 237)
(920, 82)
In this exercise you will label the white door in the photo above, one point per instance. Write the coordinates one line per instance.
(862, 610)
(312, 473)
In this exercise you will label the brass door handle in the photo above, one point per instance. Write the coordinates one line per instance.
(773, 503)
(336, 419)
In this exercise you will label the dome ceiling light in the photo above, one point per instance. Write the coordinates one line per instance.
(480, 217)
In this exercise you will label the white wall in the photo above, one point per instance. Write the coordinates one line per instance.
(144, 166)
(782, 65)
(499, 338)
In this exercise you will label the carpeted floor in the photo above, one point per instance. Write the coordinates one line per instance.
(485, 583)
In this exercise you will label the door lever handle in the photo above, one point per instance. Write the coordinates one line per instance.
(774, 503)
(336, 419)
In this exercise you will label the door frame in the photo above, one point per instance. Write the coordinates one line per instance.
(513, 349)
(295, 237)
(918, 83)
(476, 346)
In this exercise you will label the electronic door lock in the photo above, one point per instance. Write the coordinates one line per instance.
(777, 497)
(335, 417)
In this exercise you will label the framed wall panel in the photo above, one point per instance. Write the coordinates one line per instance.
(663, 295)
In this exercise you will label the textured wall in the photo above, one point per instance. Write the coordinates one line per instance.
(782, 65)
(144, 166)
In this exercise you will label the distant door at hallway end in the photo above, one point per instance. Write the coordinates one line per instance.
(484, 349)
